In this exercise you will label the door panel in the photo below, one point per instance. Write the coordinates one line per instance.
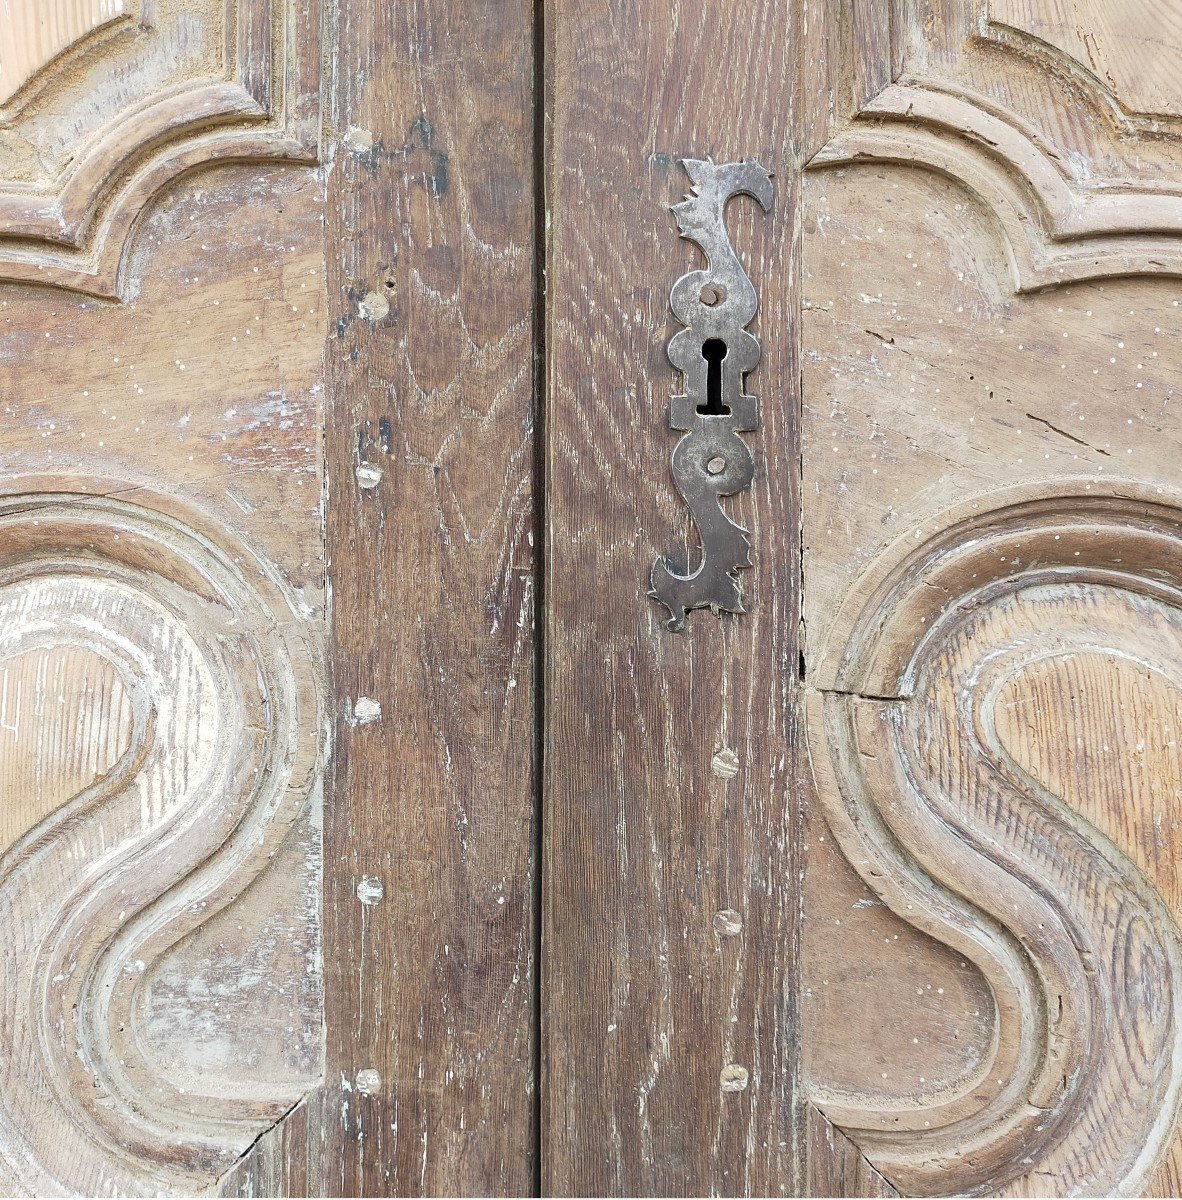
(162, 599)
(162, 644)
(990, 601)
(103, 103)
(430, 904)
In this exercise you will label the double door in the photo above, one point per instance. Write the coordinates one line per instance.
(368, 827)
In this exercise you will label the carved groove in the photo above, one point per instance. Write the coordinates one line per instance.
(1059, 227)
(70, 226)
(221, 685)
(1105, 41)
(959, 839)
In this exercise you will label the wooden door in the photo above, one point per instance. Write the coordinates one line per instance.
(364, 827)
(875, 887)
(266, 293)
(990, 332)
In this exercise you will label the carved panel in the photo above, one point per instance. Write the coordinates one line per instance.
(958, 820)
(1132, 48)
(65, 721)
(217, 680)
(35, 33)
(993, 542)
(1061, 118)
(102, 102)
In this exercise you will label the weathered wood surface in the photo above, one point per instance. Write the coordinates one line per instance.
(882, 901)
(429, 872)
(836, 1167)
(103, 102)
(34, 33)
(65, 721)
(670, 889)
(990, 599)
(161, 603)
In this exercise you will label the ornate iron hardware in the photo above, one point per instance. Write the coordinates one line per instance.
(714, 352)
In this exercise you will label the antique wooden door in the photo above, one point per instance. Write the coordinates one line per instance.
(365, 827)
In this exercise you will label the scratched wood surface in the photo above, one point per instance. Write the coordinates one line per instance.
(875, 890)
(33, 33)
(161, 624)
(670, 832)
(429, 881)
(65, 721)
(989, 454)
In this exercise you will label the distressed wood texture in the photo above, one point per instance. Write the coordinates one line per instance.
(161, 635)
(670, 898)
(429, 885)
(161, 588)
(34, 33)
(103, 102)
(836, 1166)
(992, 220)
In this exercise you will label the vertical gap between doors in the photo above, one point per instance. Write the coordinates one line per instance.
(540, 101)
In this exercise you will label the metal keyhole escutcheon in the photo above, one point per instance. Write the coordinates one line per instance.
(714, 353)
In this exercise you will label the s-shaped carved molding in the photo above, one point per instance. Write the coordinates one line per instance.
(222, 683)
(959, 838)
(946, 93)
(109, 102)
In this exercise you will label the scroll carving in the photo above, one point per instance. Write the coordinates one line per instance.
(92, 127)
(966, 96)
(1124, 47)
(220, 681)
(962, 838)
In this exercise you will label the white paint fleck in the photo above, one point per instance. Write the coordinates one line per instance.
(374, 306)
(367, 1082)
(733, 1078)
(360, 141)
(369, 475)
(725, 764)
(366, 710)
(728, 923)
(370, 890)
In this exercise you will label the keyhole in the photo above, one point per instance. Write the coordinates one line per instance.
(713, 351)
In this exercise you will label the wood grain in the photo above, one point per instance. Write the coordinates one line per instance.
(429, 884)
(36, 31)
(223, 701)
(836, 1167)
(891, 1016)
(980, 987)
(1075, 941)
(1080, 187)
(937, 388)
(65, 721)
(180, 432)
(1132, 47)
(1100, 730)
(670, 900)
(95, 133)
